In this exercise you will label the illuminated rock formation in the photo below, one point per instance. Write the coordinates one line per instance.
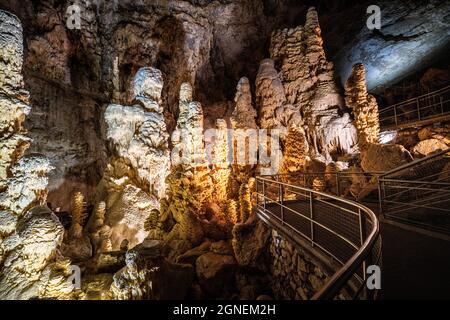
(295, 152)
(76, 244)
(134, 180)
(29, 234)
(148, 275)
(139, 134)
(271, 99)
(382, 158)
(221, 165)
(364, 106)
(244, 114)
(30, 269)
(305, 92)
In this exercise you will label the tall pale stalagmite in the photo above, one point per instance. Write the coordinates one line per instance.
(364, 106)
(311, 98)
(29, 234)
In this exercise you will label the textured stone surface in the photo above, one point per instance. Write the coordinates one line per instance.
(250, 242)
(26, 270)
(139, 134)
(407, 27)
(304, 92)
(147, 275)
(364, 106)
(383, 158)
(215, 271)
(11, 51)
(296, 275)
(428, 146)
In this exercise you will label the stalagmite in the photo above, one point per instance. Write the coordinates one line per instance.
(295, 151)
(312, 99)
(134, 181)
(364, 106)
(29, 234)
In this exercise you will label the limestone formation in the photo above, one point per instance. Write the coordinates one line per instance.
(148, 275)
(27, 270)
(139, 134)
(245, 203)
(249, 242)
(79, 214)
(188, 138)
(244, 114)
(364, 106)
(429, 146)
(134, 180)
(221, 165)
(305, 92)
(11, 51)
(23, 180)
(295, 151)
(382, 158)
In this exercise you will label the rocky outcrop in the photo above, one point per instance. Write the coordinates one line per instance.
(30, 269)
(364, 106)
(429, 146)
(148, 275)
(215, 272)
(250, 243)
(382, 158)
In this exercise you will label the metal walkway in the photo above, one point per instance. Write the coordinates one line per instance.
(418, 193)
(345, 231)
(424, 110)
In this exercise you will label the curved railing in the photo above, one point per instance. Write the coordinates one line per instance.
(345, 231)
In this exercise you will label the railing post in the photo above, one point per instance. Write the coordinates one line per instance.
(257, 194)
(395, 115)
(311, 210)
(418, 108)
(380, 200)
(282, 203)
(264, 194)
(441, 98)
(338, 185)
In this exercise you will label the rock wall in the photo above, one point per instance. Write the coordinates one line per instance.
(29, 234)
(296, 275)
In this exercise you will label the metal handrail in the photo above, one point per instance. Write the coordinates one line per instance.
(339, 178)
(420, 104)
(426, 95)
(413, 163)
(418, 192)
(364, 248)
